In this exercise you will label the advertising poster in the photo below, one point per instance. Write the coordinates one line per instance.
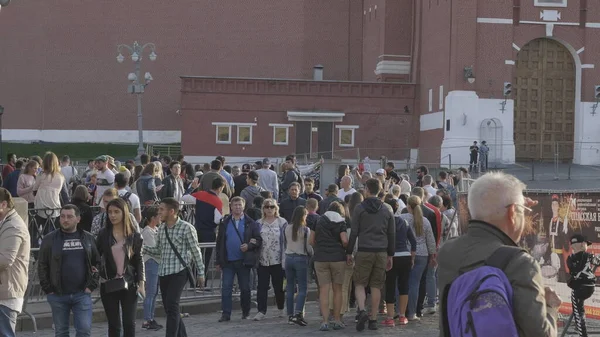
(546, 236)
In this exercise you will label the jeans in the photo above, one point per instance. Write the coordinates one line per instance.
(414, 282)
(296, 270)
(230, 270)
(422, 291)
(171, 287)
(274, 274)
(120, 308)
(206, 237)
(431, 287)
(8, 321)
(81, 306)
(151, 289)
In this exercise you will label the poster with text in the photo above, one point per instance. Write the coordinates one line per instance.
(548, 228)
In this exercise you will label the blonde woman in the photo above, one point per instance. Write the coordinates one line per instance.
(270, 259)
(426, 251)
(47, 189)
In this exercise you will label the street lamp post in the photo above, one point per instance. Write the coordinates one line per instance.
(138, 85)
(1, 113)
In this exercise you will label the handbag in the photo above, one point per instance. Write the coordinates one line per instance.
(115, 284)
(190, 273)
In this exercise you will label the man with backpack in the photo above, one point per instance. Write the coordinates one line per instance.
(488, 285)
(132, 200)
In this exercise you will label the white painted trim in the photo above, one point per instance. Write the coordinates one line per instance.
(517, 48)
(527, 22)
(537, 3)
(495, 20)
(441, 98)
(509, 62)
(549, 29)
(580, 50)
(238, 134)
(592, 25)
(587, 66)
(390, 55)
(233, 123)
(392, 67)
(315, 116)
(432, 121)
(430, 100)
(90, 136)
(281, 125)
(217, 141)
(287, 133)
(349, 128)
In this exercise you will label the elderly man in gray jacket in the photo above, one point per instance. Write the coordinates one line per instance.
(497, 203)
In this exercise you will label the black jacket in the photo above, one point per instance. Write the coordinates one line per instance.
(87, 216)
(240, 183)
(325, 203)
(168, 190)
(134, 270)
(50, 261)
(287, 207)
(251, 231)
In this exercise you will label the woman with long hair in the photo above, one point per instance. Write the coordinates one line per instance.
(150, 223)
(329, 241)
(47, 188)
(270, 259)
(122, 269)
(425, 253)
(26, 182)
(297, 255)
(396, 279)
(80, 198)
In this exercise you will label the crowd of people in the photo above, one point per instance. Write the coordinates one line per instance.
(370, 235)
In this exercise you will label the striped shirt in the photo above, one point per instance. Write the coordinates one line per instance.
(185, 240)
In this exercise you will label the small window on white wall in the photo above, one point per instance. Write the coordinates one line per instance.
(430, 100)
(223, 134)
(281, 133)
(441, 97)
(244, 134)
(550, 3)
(346, 135)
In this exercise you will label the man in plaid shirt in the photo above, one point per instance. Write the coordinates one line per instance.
(172, 273)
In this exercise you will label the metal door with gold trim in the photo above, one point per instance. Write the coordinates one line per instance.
(544, 93)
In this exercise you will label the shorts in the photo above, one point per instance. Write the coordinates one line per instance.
(369, 269)
(330, 272)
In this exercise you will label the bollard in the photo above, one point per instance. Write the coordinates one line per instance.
(569, 177)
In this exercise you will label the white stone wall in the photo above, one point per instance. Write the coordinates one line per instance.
(587, 135)
(89, 136)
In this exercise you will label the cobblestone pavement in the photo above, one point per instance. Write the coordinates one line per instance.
(207, 326)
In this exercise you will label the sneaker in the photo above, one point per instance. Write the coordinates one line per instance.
(324, 327)
(362, 319)
(356, 318)
(245, 316)
(413, 318)
(291, 320)
(299, 319)
(402, 320)
(338, 325)
(373, 324)
(146, 325)
(155, 323)
(430, 311)
(280, 313)
(224, 319)
(259, 317)
(388, 322)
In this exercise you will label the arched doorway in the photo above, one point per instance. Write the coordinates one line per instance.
(544, 92)
(490, 131)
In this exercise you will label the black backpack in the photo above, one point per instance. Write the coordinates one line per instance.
(126, 197)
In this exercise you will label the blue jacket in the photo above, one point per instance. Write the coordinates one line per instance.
(251, 231)
(403, 235)
(10, 183)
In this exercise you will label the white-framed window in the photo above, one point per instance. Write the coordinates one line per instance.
(281, 133)
(550, 3)
(244, 134)
(346, 135)
(430, 100)
(441, 102)
(223, 132)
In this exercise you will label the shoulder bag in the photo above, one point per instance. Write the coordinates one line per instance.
(190, 274)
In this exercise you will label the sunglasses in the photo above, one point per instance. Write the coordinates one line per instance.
(269, 206)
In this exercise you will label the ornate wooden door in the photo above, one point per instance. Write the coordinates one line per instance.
(544, 93)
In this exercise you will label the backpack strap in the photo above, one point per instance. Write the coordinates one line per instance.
(502, 256)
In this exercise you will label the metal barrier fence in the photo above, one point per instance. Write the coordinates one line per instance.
(39, 227)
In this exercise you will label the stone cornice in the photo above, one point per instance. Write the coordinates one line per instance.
(264, 86)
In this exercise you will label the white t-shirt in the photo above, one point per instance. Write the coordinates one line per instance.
(69, 172)
(342, 194)
(134, 199)
(105, 180)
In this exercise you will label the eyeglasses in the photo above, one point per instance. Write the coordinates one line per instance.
(520, 205)
(269, 206)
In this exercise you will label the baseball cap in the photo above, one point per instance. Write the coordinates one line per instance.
(103, 158)
(266, 161)
(380, 172)
(246, 168)
(578, 238)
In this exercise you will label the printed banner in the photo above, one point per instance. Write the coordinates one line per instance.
(556, 218)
